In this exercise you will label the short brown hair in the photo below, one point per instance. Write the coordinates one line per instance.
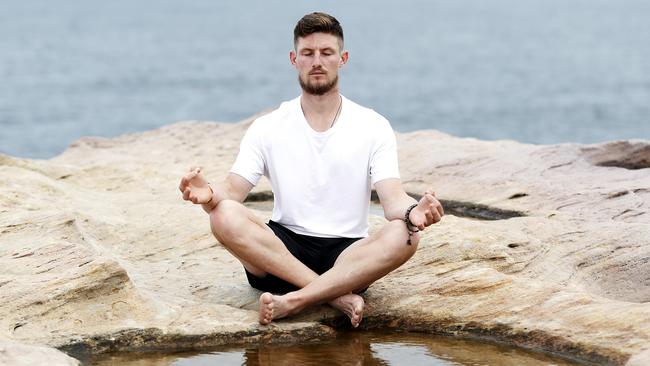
(318, 22)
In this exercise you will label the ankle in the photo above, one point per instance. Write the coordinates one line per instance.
(295, 302)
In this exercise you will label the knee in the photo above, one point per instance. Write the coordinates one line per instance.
(226, 220)
(396, 241)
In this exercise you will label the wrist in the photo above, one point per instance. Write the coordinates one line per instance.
(412, 229)
(407, 216)
(210, 205)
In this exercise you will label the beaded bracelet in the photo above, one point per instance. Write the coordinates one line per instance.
(409, 224)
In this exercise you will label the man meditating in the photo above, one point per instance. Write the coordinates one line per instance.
(321, 153)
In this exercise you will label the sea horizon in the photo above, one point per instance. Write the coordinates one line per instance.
(533, 71)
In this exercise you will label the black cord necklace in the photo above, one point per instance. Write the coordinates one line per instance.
(338, 111)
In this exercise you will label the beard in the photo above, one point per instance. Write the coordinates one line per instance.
(317, 89)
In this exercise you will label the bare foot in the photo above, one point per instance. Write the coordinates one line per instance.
(351, 305)
(274, 307)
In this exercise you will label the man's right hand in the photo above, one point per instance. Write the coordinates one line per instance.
(195, 188)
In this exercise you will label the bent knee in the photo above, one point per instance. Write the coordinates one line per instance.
(227, 220)
(398, 242)
(402, 230)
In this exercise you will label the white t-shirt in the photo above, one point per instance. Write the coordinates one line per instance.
(321, 181)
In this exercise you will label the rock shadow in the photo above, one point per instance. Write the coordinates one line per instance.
(631, 155)
(456, 208)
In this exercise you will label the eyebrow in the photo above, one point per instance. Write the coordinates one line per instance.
(312, 49)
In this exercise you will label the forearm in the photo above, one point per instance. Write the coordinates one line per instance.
(397, 203)
(396, 207)
(223, 190)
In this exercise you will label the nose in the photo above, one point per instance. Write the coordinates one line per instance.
(316, 61)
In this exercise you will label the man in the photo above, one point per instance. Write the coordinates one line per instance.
(321, 153)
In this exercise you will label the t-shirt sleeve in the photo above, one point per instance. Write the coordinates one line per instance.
(383, 161)
(250, 160)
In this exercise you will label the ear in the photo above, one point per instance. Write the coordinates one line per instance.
(292, 57)
(344, 58)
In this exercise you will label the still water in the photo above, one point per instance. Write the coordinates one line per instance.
(541, 71)
(353, 348)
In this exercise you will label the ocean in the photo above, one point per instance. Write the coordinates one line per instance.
(535, 71)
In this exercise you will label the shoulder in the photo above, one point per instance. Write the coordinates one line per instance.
(368, 119)
(269, 121)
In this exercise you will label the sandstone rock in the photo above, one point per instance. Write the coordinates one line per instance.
(99, 253)
(17, 354)
(641, 359)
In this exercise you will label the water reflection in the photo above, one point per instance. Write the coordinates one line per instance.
(354, 348)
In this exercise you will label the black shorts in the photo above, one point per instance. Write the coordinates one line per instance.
(319, 254)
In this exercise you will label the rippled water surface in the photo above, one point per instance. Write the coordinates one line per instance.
(353, 348)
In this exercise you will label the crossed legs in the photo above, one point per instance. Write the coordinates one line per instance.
(255, 245)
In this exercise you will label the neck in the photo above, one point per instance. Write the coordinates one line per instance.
(321, 110)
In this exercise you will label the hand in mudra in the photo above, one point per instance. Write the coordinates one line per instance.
(427, 212)
(195, 188)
